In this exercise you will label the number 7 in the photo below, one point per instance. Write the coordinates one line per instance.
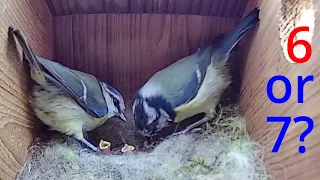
(286, 120)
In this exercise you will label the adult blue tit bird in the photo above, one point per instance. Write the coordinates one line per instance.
(67, 100)
(190, 86)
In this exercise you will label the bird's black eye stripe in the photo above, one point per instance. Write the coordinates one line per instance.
(158, 114)
(116, 103)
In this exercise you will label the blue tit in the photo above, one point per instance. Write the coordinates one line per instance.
(190, 86)
(67, 100)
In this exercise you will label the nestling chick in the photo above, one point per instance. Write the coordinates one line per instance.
(190, 86)
(68, 101)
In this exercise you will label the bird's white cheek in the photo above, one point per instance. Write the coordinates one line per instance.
(111, 114)
(162, 123)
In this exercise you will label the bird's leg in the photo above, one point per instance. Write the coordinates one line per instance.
(91, 146)
(209, 115)
(85, 135)
(192, 126)
(212, 113)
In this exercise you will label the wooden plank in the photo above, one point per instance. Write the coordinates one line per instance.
(171, 6)
(126, 49)
(73, 6)
(17, 123)
(65, 7)
(57, 6)
(84, 44)
(155, 6)
(137, 6)
(150, 5)
(222, 11)
(183, 6)
(163, 6)
(57, 39)
(108, 8)
(228, 8)
(196, 6)
(51, 7)
(85, 6)
(121, 6)
(91, 43)
(40, 7)
(68, 38)
(76, 43)
(206, 7)
(264, 60)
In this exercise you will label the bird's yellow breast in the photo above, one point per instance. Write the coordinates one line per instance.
(62, 113)
(96, 122)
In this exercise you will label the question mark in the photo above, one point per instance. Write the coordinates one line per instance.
(302, 149)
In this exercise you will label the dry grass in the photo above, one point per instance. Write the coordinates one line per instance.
(223, 150)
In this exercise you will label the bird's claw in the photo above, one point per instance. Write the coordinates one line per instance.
(181, 132)
(89, 150)
(195, 130)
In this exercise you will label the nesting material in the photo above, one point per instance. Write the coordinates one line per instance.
(223, 151)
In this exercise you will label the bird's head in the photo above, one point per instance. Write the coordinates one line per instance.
(151, 114)
(115, 101)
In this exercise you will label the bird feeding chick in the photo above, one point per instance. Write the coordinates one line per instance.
(190, 86)
(67, 100)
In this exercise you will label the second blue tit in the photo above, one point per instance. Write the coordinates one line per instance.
(190, 86)
(67, 100)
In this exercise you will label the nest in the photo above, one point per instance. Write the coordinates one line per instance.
(221, 150)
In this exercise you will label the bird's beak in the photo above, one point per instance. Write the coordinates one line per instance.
(123, 116)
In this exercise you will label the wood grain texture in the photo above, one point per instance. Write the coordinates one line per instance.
(126, 50)
(225, 8)
(17, 124)
(264, 60)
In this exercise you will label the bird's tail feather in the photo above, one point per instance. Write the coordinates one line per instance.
(28, 54)
(232, 39)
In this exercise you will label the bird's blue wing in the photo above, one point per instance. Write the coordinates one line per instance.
(82, 87)
(190, 89)
(180, 82)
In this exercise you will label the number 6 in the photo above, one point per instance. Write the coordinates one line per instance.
(292, 44)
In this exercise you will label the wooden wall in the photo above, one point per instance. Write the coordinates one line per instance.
(17, 125)
(218, 8)
(134, 46)
(264, 60)
(125, 50)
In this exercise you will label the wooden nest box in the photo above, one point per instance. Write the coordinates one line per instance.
(125, 41)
